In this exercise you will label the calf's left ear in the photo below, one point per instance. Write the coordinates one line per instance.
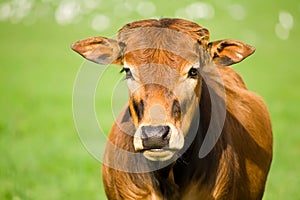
(100, 50)
(228, 52)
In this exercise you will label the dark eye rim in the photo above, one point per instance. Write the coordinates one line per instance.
(128, 73)
(193, 73)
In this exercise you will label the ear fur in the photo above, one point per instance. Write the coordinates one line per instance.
(228, 52)
(100, 50)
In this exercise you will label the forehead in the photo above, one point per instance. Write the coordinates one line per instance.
(169, 42)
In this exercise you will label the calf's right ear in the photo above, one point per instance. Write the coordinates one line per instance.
(229, 52)
(100, 50)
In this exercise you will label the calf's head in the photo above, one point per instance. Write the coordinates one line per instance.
(162, 60)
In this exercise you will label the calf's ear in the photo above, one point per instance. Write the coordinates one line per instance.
(100, 50)
(228, 52)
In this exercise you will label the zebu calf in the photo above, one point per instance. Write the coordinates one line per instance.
(172, 141)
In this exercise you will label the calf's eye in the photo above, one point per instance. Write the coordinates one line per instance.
(193, 73)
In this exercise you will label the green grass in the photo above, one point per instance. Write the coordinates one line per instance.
(41, 154)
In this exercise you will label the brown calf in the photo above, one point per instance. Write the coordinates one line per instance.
(191, 129)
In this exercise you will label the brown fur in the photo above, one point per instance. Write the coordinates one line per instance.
(237, 166)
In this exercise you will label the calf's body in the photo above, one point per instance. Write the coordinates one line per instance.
(236, 168)
(179, 85)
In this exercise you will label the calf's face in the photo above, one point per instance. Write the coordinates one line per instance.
(162, 100)
(163, 74)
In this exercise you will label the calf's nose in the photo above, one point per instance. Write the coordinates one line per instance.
(155, 137)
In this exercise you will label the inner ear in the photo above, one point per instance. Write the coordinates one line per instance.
(100, 50)
(228, 52)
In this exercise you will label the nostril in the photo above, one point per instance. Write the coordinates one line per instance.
(166, 131)
(155, 131)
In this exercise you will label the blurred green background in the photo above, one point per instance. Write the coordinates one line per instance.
(41, 154)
